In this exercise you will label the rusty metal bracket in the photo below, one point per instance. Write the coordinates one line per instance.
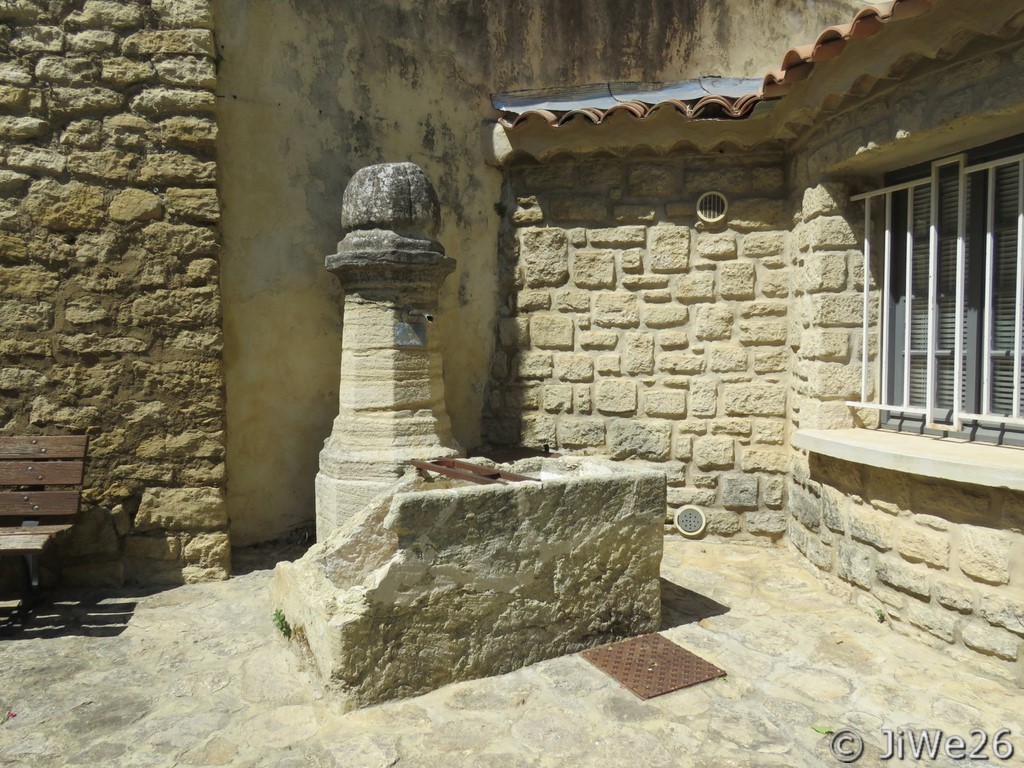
(467, 470)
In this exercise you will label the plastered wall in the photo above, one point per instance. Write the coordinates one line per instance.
(310, 91)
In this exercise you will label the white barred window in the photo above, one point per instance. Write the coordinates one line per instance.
(947, 249)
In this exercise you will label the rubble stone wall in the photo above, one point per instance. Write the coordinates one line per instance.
(629, 328)
(109, 293)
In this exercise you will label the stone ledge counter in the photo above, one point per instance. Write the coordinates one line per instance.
(437, 581)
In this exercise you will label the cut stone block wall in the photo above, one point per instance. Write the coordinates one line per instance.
(941, 561)
(109, 292)
(629, 328)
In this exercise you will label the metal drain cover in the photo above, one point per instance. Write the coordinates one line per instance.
(650, 665)
(691, 521)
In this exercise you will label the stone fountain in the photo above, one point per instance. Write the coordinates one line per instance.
(417, 580)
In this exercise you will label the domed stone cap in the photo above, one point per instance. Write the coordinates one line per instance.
(391, 196)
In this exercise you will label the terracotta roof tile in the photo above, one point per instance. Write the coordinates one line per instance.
(797, 65)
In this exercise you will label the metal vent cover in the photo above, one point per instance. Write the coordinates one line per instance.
(691, 521)
(712, 207)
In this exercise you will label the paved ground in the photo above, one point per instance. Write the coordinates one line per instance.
(198, 676)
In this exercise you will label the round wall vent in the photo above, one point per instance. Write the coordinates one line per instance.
(712, 207)
(691, 522)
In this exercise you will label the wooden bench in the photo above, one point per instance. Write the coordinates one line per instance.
(40, 488)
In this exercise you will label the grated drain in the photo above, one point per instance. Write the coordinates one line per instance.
(651, 665)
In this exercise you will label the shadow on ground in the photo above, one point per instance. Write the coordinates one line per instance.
(85, 613)
(680, 606)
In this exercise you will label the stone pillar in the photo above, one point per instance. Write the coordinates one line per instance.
(392, 405)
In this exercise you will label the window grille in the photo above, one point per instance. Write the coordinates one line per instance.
(951, 320)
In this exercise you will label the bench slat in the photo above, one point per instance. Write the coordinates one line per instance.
(43, 503)
(33, 529)
(44, 446)
(41, 472)
(23, 545)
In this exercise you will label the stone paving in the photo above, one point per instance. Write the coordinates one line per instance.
(198, 676)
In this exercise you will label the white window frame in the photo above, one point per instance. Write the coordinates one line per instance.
(882, 327)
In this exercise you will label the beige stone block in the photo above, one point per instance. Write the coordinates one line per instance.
(653, 179)
(765, 460)
(37, 159)
(990, 640)
(84, 309)
(176, 168)
(717, 245)
(104, 14)
(616, 310)
(665, 315)
(551, 332)
(829, 232)
(538, 430)
(581, 432)
(190, 71)
(534, 365)
(824, 272)
(681, 363)
(648, 440)
(770, 361)
(121, 72)
(13, 184)
(695, 287)
(638, 354)
(193, 204)
(984, 554)
(666, 403)
(736, 280)
(832, 310)
(209, 550)
(669, 248)
(632, 260)
(682, 446)
(825, 199)
(673, 340)
(64, 70)
(181, 509)
(571, 300)
(194, 42)
(574, 367)
(21, 316)
(71, 206)
(583, 398)
(135, 205)
(771, 432)
(578, 207)
(514, 332)
(92, 41)
(703, 398)
(593, 269)
(598, 339)
(152, 547)
(953, 595)
(533, 301)
(834, 380)
(819, 344)
(934, 621)
(871, 527)
(763, 332)
(1003, 611)
(557, 398)
(184, 13)
(609, 365)
(617, 237)
(761, 244)
(22, 128)
(774, 283)
(189, 131)
(657, 296)
(919, 544)
(615, 396)
(106, 164)
(66, 102)
(714, 452)
(713, 322)
(179, 240)
(642, 282)
(723, 359)
(37, 39)
(755, 399)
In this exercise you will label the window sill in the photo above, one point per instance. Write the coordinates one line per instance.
(943, 458)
